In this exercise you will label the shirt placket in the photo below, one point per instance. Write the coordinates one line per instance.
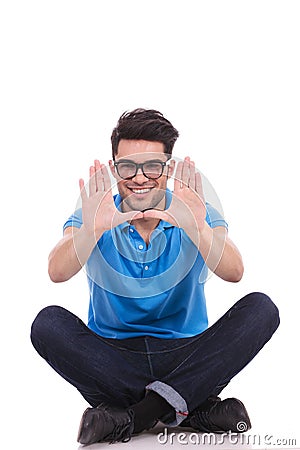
(141, 247)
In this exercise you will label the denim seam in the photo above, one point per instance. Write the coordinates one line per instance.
(150, 352)
(148, 356)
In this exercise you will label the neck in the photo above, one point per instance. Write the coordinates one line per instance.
(145, 227)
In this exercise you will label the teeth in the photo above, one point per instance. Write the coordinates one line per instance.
(140, 191)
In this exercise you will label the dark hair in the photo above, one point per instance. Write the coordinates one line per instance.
(146, 124)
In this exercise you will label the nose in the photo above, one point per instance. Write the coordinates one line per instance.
(139, 178)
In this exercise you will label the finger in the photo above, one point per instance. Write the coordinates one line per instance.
(83, 193)
(199, 187)
(192, 180)
(119, 217)
(98, 175)
(154, 214)
(178, 176)
(92, 181)
(132, 215)
(186, 171)
(162, 215)
(106, 178)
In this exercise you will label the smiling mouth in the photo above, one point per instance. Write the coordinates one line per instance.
(140, 191)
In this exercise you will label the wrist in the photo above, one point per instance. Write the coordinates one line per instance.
(205, 231)
(91, 235)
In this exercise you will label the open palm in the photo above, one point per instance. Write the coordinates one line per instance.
(187, 209)
(99, 212)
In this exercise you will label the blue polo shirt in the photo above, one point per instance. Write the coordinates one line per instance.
(155, 289)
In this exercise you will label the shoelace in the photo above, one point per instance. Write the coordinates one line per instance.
(122, 431)
(202, 422)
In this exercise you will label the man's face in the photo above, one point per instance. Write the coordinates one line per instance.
(140, 193)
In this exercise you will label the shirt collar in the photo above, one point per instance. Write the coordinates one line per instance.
(162, 224)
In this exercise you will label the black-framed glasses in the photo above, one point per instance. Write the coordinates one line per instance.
(128, 169)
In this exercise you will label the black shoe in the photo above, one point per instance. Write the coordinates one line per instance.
(219, 416)
(105, 424)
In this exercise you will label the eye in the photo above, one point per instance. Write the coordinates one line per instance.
(126, 166)
(153, 166)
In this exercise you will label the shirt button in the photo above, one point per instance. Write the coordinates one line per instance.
(131, 230)
(141, 247)
(146, 267)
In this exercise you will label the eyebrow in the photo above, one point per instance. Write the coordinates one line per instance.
(134, 162)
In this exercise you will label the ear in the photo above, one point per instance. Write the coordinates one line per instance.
(112, 168)
(171, 167)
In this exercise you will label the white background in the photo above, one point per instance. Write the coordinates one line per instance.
(226, 73)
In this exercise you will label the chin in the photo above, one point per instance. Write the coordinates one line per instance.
(143, 204)
(139, 206)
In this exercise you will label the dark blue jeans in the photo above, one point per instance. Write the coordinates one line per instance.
(184, 371)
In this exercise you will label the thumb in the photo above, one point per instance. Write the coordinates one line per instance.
(132, 215)
(154, 214)
(162, 215)
(126, 217)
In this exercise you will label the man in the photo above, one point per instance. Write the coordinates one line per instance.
(147, 353)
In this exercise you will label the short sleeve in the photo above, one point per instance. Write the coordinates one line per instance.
(75, 220)
(214, 218)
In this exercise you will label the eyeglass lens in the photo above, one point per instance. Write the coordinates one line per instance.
(150, 169)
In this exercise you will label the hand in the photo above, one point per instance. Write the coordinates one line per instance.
(187, 209)
(99, 212)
